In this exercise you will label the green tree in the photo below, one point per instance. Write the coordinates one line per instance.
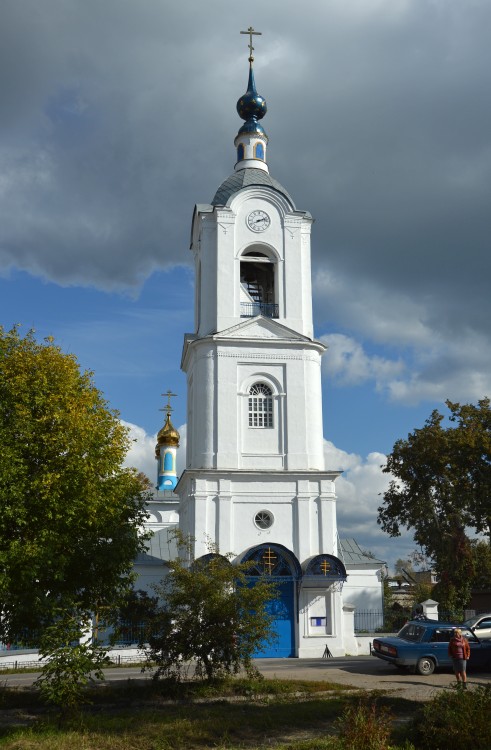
(481, 552)
(69, 527)
(210, 615)
(441, 485)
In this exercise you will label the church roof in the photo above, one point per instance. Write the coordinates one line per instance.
(352, 554)
(161, 547)
(245, 178)
(168, 435)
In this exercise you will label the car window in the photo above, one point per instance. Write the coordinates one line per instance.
(484, 624)
(411, 632)
(441, 636)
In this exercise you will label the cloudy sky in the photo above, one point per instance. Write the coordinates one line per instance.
(117, 116)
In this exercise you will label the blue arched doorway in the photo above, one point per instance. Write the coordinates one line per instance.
(281, 566)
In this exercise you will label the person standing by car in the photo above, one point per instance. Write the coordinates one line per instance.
(460, 651)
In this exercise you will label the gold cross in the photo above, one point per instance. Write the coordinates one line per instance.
(325, 567)
(251, 31)
(269, 560)
(168, 407)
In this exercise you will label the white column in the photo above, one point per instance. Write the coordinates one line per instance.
(303, 522)
(225, 539)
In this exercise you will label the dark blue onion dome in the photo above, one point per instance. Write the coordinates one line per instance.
(251, 107)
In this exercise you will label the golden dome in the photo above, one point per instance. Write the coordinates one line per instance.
(168, 435)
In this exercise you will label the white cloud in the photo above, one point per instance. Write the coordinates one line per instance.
(359, 491)
(458, 370)
(141, 454)
(348, 364)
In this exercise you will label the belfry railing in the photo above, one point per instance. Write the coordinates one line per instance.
(251, 309)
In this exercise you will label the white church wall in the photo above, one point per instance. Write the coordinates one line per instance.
(321, 623)
(162, 520)
(220, 432)
(350, 643)
(363, 589)
(223, 508)
(149, 575)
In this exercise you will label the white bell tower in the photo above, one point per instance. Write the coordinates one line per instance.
(255, 482)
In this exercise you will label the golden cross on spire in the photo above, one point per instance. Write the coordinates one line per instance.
(168, 407)
(251, 31)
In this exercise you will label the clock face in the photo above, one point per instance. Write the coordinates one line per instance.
(258, 221)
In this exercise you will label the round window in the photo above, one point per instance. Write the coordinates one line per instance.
(264, 519)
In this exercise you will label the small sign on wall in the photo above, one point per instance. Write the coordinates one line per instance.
(317, 622)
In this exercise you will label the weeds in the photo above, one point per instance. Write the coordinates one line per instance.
(365, 726)
(459, 720)
(268, 714)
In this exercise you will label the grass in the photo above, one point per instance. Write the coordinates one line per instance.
(232, 714)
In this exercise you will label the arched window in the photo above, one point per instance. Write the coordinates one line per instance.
(259, 151)
(260, 405)
(272, 560)
(240, 152)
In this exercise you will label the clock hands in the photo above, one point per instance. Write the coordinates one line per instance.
(258, 221)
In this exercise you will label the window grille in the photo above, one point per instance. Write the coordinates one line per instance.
(260, 405)
(263, 519)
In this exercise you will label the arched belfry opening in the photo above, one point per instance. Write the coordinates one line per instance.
(257, 284)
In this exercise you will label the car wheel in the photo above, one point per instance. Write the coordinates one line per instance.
(425, 666)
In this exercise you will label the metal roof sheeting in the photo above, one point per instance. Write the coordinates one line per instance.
(245, 178)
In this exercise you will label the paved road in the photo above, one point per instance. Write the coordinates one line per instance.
(365, 672)
(24, 679)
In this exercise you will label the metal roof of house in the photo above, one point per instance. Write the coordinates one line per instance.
(352, 554)
(162, 547)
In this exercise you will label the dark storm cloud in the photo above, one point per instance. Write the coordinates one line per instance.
(108, 132)
(118, 116)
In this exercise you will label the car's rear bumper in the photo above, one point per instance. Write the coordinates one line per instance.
(397, 660)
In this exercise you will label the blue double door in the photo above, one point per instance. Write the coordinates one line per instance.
(283, 611)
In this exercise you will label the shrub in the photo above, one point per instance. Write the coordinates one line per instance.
(459, 720)
(210, 616)
(72, 664)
